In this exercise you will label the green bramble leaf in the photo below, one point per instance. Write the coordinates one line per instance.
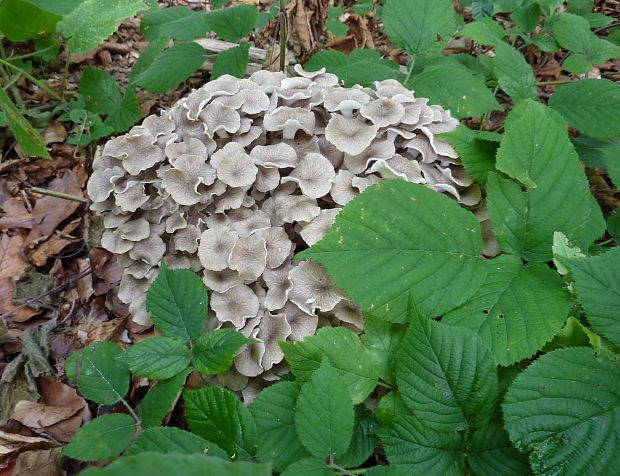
(232, 23)
(273, 410)
(415, 24)
(93, 21)
(233, 61)
(29, 140)
(598, 290)
(446, 375)
(173, 66)
(362, 67)
(161, 399)
(324, 417)
(177, 301)
(505, 311)
(536, 151)
(102, 96)
(345, 352)
(168, 439)
(454, 87)
(491, 453)
(484, 31)
(215, 351)
(384, 245)
(363, 441)
(21, 20)
(527, 16)
(102, 438)
(514, 74)
(149, 463)
(309, 467)
(565, 407)
(158, 358)
(382, 340)
(218, 416)
(179, 23)
(591, 106)
(477, 150)
(100, 377)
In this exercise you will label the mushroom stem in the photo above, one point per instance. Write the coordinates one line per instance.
(283, 34)
(53, 193)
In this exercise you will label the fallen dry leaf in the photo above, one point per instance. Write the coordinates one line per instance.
(108, 331)
(15, 215)
(49, 212)
(38, 463)
(12, 265)
(55, 132)
(38, 415)
(12, 442)
(49, 248)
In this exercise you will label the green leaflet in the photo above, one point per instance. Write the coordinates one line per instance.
(514, 74)
(363, 441)
(362, 67)
(215, 351)
(177, 301)
(476, 150)
(233, 61)
(168, 439)
(160, 399)
(535, 150)
(173, 66)
(565, 407)
(102, 438)
(454, 87)
(93, 21)
(21, 20)
(597, 282)
(149, 463)
(446, 376)
(218, 416)
(485, 31)
(491, 453)
(179, 23)
(507, 310)
(233, 23)
(157, 358)
(385, 245)
(274, 412)
(324, 417)
(344, 351)
(415, 24)
(99, 375)
(382, 340)
(591, 106)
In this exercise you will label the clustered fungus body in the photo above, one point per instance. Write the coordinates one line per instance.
(242, 173)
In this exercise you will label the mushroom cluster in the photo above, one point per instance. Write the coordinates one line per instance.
(242, 173)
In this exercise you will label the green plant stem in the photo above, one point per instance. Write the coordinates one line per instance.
(409, 71)
(131, 411)
(30, 77)
(338, 468)
(65, 72)
(54, 193)
(283, 35)
(34, 53)
(10, 82)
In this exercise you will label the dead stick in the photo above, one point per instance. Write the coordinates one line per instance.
(283, 34)
(54, 193)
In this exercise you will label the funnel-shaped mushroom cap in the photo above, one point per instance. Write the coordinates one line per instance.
(318, 228)
(289, 120)
(218, 118)
(215, 248)
(235, 305)
(279, 246)
(318, 77)
(349, 312)
(342, 191)
(182, 180)
(276, 155)
(235, 168)
(314, 174)
(302, 323)
(383, 112)
(345, 100)
(378, 149)
(196, 102)
(312, 288)
(273, 329)
(249, 257)
(138, 152)
(221, 281)
(278, 286)
(350, 135)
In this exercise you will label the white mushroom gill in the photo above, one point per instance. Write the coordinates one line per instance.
(243, 173)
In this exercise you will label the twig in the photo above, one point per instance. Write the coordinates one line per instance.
(30, 77)
(54, 193)
(55, 289)
(283, 36)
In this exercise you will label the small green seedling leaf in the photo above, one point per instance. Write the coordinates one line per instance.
(177, 301)
(446, 376)
(233, 23)
(215, 351)
(160, 399)
(158, 358)
(101, 439)
(217, 415)
(99, 375)
(345, 352)
(324, 418)
(565, 407)
(562, 249)
(274, 412)
(168, 439)
(233, 61)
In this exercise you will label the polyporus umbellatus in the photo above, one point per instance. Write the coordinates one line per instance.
(242, 173)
